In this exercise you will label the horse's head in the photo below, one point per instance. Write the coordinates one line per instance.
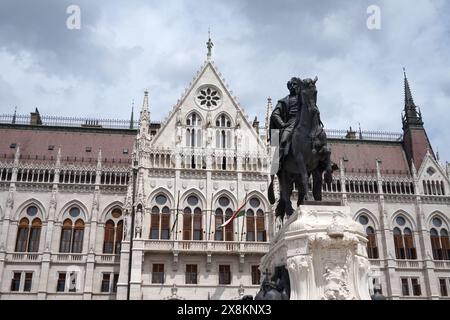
(309, 93)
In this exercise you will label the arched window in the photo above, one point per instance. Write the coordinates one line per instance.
(72, 232)
(369, 226)
(194, 130)
(192, 219)
(223, 134)
(22, 235)
(440, 242)
(224, 206)
(28, 237)
(160, 218)
(403, 240)
(113, 232)
(255, 223)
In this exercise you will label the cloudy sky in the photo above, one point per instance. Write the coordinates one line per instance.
(124, 47)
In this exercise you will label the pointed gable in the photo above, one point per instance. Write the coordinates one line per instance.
(208, 98)
(434, 180)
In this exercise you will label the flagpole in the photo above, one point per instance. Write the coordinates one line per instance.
(176, 217)
(242, 230)
(210, 217)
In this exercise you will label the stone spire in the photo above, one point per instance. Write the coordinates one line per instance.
(144, 117)
(411, 116)
(132, 115)
(209, 45)
(268, 112)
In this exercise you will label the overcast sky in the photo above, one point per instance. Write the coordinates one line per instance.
(124, 47)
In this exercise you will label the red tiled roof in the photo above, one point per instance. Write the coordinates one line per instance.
(35, 142)
(362, 156)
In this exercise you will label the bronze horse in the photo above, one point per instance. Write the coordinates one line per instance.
(308, 154)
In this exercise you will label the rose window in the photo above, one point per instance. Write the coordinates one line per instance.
(208, 97)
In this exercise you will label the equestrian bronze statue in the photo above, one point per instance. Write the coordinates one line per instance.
(303, 149)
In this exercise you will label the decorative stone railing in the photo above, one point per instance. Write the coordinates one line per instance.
(443, 264)
(69, 257)
(23, 257)
(206, 246)
(408, 264)
(107, 258)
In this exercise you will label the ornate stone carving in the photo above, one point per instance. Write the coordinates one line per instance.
(138, 222)
(320, 247)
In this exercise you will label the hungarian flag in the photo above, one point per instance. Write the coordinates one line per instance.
(239, 213)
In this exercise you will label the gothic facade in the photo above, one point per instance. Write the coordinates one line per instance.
(108, 210)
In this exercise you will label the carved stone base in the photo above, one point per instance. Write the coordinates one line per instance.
(325, 253)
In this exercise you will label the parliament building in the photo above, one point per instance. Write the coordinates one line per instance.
(112, 209)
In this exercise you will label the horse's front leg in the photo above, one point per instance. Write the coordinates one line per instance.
(317, 184)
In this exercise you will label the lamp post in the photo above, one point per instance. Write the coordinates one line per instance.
(134, 169)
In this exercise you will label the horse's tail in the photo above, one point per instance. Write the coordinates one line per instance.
(271, 194)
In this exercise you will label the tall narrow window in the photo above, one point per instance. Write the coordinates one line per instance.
(78, 235)
(218, 220)
(256, 275)
(66, 236)
(119, 236)
(416, 287)
(250, 225)
(22, 235)
(194, 130)
(191, 274)
(108, 244)
(158, 273)
(28, 281)
(198, 230)
(187, 223)
(372, 249)
(229, 228)
(165, 223)
(105, 282)
(445, 241)
(35, 235)
(61, 283)
(15, 282)
(154, 224)
(409, 244)
(405, 286)
(435, 244)
(398, 243)
(260, 227)
(443, 287)
(224, 274)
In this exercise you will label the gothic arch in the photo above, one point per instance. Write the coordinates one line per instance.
(195, 192)
(164, 191)
(84, 211)
(407, 216)
(41, 214)
(437, 213)
(198, 113)
(368, 213)
(260, 196)
(227, 193)
(108, 208)
(227, 115)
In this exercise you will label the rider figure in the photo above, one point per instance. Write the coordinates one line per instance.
(285, 114)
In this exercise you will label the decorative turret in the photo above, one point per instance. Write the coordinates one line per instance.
(415, 139)
(132, 115)
(144, 117)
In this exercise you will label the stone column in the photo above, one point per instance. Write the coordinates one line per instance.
(136, 269)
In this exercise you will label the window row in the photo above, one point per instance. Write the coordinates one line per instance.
(192, 227)
(72, 232)
(404, 240)
(191, 274)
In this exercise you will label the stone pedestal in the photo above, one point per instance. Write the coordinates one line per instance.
(325, 254)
